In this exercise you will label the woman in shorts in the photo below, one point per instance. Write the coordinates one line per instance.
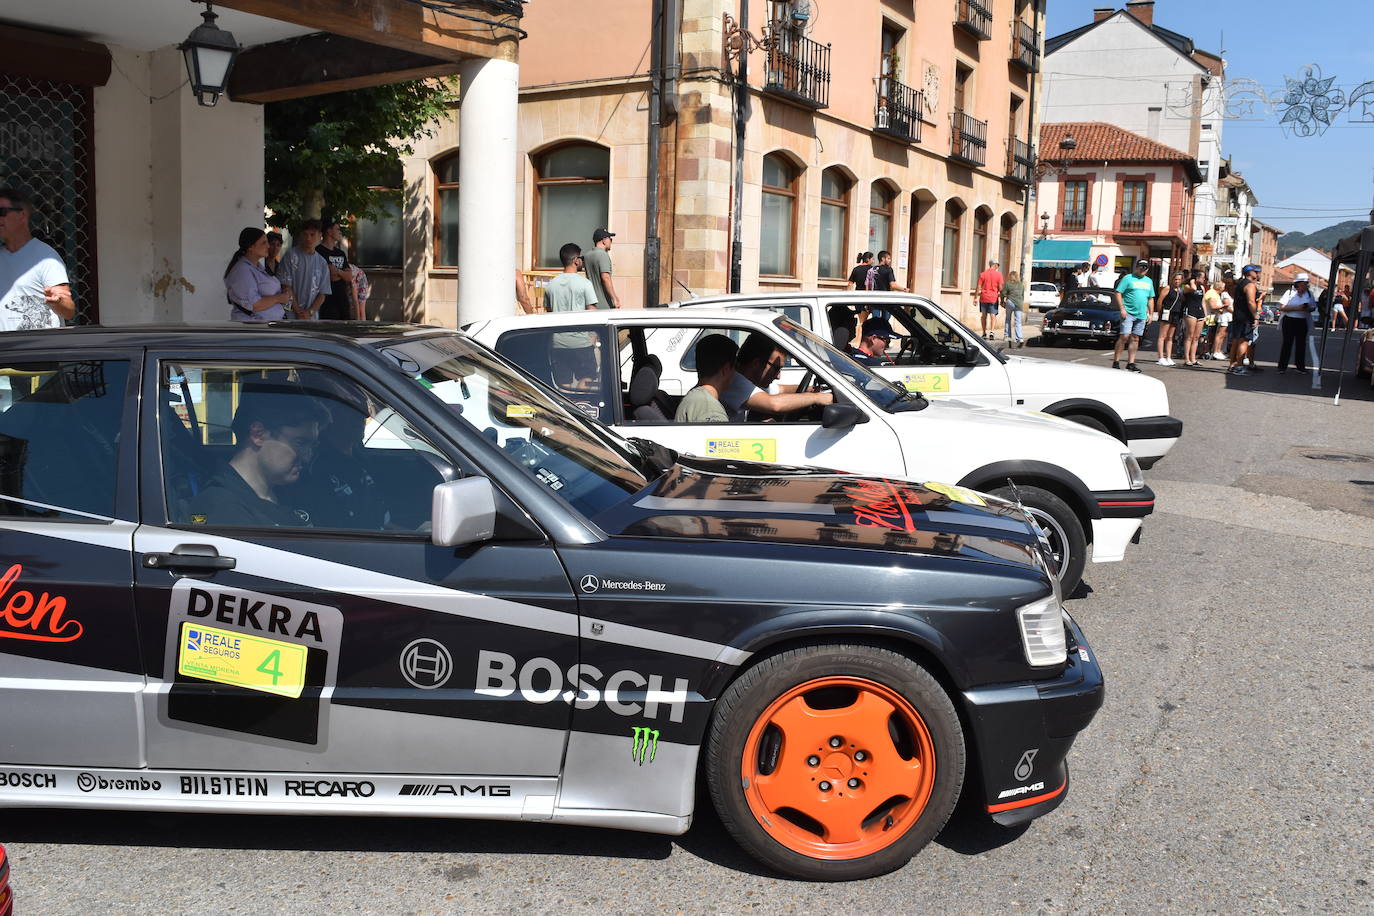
(1223, 319)
(1194, 313)
(1170, 316)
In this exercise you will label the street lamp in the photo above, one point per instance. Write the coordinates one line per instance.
(210, 53)
(1044, 226)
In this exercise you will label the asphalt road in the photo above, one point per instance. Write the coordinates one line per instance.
(1229, 771)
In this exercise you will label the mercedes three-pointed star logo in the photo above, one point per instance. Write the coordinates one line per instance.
(590, 584)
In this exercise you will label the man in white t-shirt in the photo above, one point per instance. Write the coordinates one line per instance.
(34, 289)
(755, 387)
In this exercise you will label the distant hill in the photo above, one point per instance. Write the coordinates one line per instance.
(1325, 239)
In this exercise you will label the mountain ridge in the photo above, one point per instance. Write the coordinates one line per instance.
(1291, 243)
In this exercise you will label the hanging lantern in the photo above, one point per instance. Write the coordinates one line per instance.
(210, 53)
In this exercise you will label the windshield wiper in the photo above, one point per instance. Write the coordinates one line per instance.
(917, 400)
(656, 456)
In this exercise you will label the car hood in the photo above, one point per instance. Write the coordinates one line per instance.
(713, 499)
(1034, 373)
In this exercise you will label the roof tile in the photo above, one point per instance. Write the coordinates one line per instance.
(1101, 142)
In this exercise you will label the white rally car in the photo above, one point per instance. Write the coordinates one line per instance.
(630, 368)
(941, 358)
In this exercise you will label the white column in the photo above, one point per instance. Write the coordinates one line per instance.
(486, 199)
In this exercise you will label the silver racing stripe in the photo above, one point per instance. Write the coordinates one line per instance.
(674, 504)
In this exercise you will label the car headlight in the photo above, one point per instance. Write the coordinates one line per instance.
(1133, 471)
(1042, 632)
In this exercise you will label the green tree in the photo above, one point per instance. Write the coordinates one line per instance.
(323, 152)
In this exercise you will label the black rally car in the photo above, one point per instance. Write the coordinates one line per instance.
(376, 569)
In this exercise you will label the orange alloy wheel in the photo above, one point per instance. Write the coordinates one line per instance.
(838, 768)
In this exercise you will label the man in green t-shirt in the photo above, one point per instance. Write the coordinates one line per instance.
(1135, 296)
(597, 262)
(715, 355)
(573, 355)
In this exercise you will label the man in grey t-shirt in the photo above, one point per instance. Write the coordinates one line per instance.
(715, 355)
(573, 353)
(598, 264)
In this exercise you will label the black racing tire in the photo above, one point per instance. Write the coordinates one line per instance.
(1047, 340)
(1088, 420)
(876, 794)
(1061, 525)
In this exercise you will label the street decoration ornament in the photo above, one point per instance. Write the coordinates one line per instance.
(1308, 104)
(210, 53)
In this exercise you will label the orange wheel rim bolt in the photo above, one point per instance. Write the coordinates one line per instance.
(836, 767)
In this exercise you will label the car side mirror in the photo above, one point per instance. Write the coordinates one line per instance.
(463, 512)
(842, 416)
(969, 356)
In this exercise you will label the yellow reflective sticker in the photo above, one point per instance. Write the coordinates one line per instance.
(958, 494)
(519, 411)
(927, 382)
(226, 657)
(198, 519)
(747, 449)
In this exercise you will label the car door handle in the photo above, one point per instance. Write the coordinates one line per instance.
(198, 557)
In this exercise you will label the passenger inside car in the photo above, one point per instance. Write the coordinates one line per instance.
(277, 428)
(753, 389)
(715, 358)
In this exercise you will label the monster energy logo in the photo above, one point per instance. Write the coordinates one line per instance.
(645, 746)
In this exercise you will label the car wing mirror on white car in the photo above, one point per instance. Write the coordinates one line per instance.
(463, 512)
(841, 416)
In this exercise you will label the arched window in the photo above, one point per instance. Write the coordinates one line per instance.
(980, 245)
(880, 198)
(446, 211)
(954, 223)
(572, 198)
(831, 260)
(777, 233)
(1010, 260)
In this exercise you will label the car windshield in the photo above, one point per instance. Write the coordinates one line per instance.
(887, 394)
(539, 433)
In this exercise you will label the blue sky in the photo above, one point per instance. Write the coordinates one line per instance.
(1326, 179)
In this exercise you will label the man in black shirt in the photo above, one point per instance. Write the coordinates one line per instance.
(338, 305)
(883, 277)
(1244, 311)
(276, 429)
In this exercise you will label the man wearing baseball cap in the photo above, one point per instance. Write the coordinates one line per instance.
(597, 262)
(1135, 296)
(1246, 306)
(872, 348)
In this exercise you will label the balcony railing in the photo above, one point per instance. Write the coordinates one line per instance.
(968, 139)
(1025, 46)
(798, 68)
(1133, 221)
(1020, 165)
(1074, 221)
(897, 111)
(973, 17)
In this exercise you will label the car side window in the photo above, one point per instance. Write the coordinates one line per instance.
(60, 427)
(576, 362)
(679, 346)
(289, 446)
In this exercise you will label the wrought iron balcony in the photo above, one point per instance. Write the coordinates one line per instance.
(968, 139)
(1074, 221)
(897, 111)
(1020, 164)
(1025, 46)
(974, 18)
(1133, 221)
(798, 68)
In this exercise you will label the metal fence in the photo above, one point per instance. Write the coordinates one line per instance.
(46, 150)
(897, 111)
(974, 17)
(968, 138)
(798, 68)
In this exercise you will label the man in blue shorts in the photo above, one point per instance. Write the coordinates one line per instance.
(1135, 296)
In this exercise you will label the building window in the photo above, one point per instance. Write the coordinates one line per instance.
(954, 219)
(572, 198)
(1073, 215)
(831, 260)
(1205, 167)
(880, 198)
(1133, 206)
(378, 242)
(446, 211)
(980, 245)
(778, 227)
(1009, 261)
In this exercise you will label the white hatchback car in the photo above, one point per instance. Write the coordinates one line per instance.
(941, 358)
(630, 369)
(1043, 297)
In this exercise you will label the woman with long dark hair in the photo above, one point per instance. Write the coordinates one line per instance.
(1194, 313)
(1170, 316)
(253, 293)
